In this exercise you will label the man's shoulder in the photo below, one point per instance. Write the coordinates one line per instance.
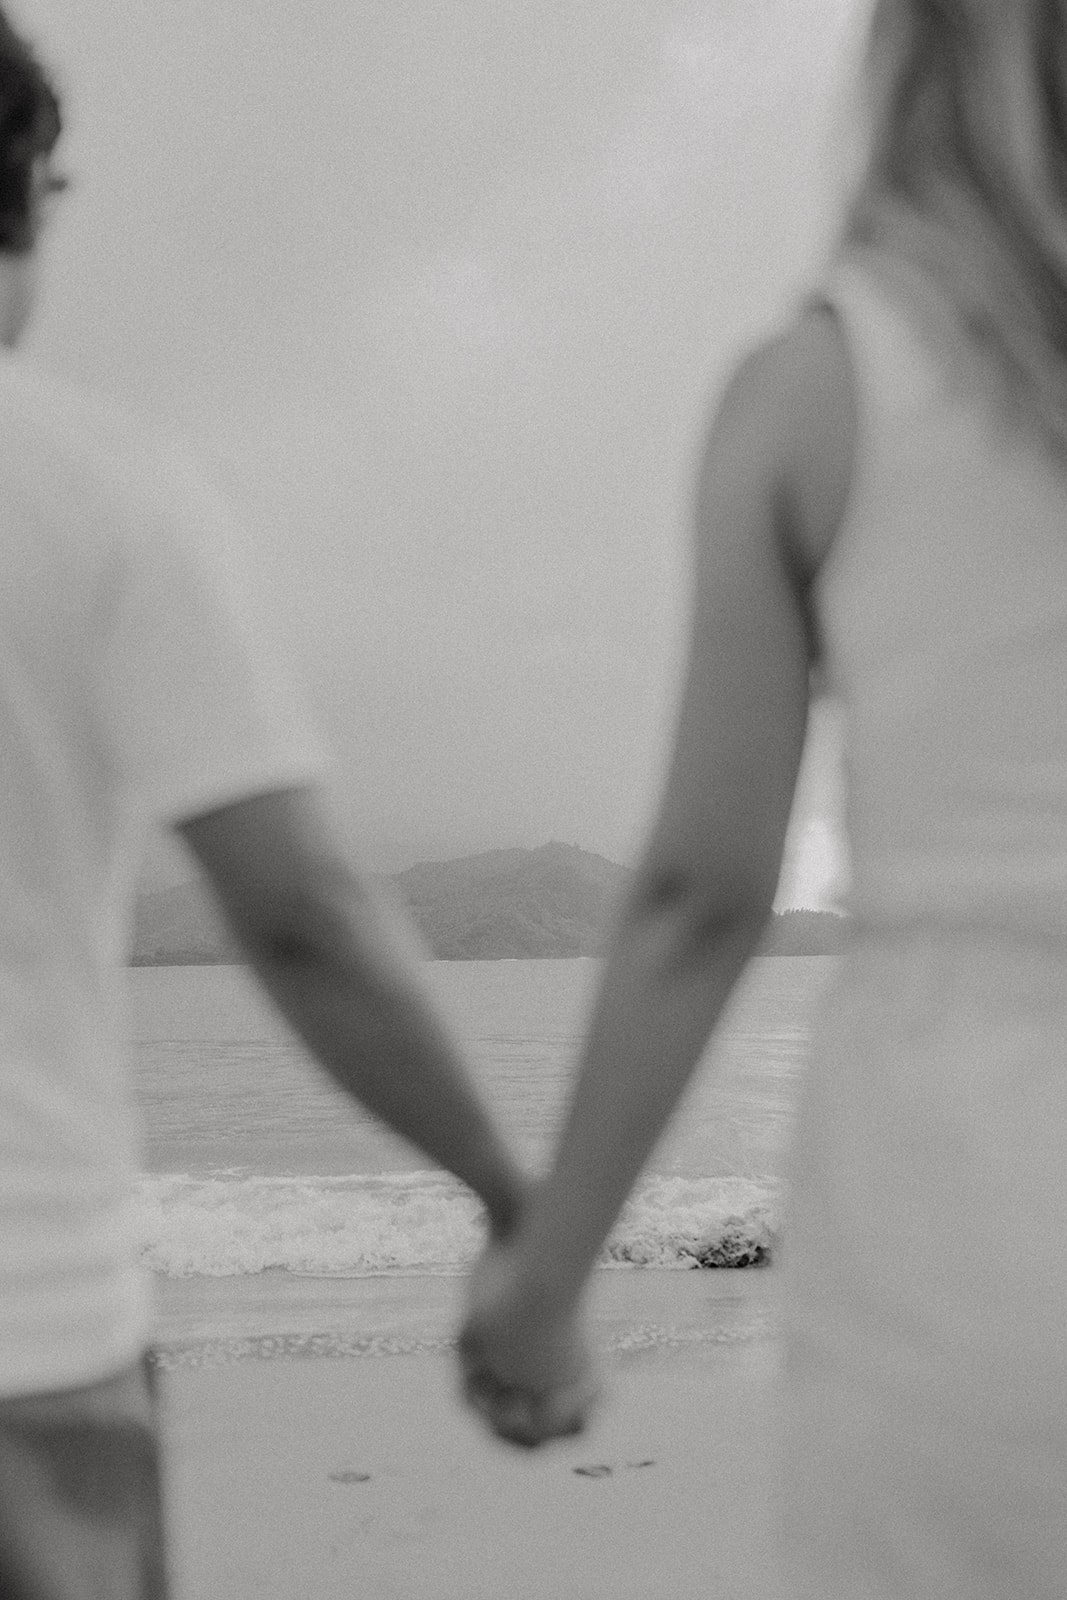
(74, 420)
(92, 449)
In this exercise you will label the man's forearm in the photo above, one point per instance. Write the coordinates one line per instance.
(661, 995)
(346, 988)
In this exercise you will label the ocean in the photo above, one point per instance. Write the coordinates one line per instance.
(254, 1160)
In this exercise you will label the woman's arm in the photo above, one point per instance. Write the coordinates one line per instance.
(705, 887)
(701, 896)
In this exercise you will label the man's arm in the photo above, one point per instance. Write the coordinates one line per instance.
(339, 964)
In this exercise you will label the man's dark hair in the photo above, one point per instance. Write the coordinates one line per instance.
(30, 125)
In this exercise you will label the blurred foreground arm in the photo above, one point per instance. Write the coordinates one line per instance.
(341, 967)
(695, 912)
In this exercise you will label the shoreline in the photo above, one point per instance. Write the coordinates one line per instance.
(275, 1313)
(296, 1479)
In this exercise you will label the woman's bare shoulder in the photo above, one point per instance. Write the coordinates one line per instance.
(805, 393)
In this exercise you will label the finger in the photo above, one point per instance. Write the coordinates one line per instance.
(560, 1415)
(529, 1430)
(504, 1415)
(530, 1416)
(481, 1382)
(481, 1393)
(512, 1417)
(532, 1419)
(509, 1411)
(480, 1403)
(505, 1411)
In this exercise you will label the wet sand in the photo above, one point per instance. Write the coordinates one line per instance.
(294, 1476)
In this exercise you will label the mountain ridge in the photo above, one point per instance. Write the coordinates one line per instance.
(554, 901)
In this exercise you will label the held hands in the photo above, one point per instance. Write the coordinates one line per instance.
(527, 1369)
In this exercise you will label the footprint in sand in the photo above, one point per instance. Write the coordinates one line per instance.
(346, 1475)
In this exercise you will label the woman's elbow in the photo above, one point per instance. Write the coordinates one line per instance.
(701, 919)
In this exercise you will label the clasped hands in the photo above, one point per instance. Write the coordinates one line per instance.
(527, 1368)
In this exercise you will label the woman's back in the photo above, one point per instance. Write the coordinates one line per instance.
(927, 1277)
(943, 605)
(925, 1408)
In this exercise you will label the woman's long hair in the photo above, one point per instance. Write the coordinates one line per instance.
(30, 125)
(965, 179)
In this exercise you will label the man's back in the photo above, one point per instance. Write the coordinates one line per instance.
(126, 693)
(134, 689)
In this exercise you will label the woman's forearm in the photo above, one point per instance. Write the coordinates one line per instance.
(666, 982)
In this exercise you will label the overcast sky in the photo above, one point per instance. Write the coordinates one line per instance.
(444, 292)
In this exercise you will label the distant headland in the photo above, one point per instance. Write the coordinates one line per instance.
(552, 902)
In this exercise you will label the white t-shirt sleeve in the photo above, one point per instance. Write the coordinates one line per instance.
(197, 708)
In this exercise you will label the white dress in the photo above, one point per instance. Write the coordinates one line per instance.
(924, 1400)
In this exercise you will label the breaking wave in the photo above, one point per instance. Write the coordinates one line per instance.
(227, 1224)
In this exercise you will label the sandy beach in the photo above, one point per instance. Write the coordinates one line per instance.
(316, 1448)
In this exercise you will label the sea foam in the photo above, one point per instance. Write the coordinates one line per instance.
(227, 1224)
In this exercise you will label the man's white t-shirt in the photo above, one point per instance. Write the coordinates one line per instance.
(131, 690)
